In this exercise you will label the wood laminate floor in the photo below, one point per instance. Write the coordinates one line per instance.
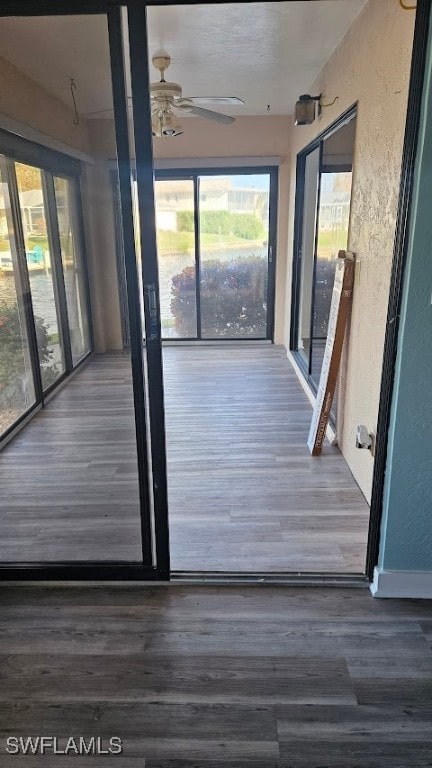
(244, 493)
(206, 677)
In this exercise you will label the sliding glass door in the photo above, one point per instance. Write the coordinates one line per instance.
(324, 177)
(72, 258)
(78, 484)
(44, 308)
(17, 389)
(216, 250)
(332, 236)
(306, 254)
(176, 244)
(41, 271)
(234, 253)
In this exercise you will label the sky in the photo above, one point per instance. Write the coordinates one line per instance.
(253, 180)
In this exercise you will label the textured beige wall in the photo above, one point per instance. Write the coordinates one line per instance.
(21, 98)
(371, 66)
(249, 136)
(101, 240)
(101, 250)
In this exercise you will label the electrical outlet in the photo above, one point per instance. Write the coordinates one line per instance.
(365, 439)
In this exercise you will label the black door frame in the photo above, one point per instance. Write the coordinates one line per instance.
(152, 482)
(296, 287)
(317, 143)
(193, 175)
(138, 42)
(400, 251)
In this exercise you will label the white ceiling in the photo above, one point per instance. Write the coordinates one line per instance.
(265, 53)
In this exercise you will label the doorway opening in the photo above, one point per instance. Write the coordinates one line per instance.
(76, 489)
(206, 329)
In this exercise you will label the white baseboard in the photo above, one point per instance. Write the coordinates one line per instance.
(414, 584)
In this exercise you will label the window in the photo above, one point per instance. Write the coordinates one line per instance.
(324, 179)
(216, 253)
(73, 268)
(44, 312)
(17, 391)
(41, 271)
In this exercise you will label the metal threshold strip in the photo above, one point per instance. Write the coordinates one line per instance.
(295, 579)
(131, 576)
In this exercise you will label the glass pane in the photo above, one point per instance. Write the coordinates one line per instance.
(73, 269)
(17, 392)
(333, 222)
(310, 199)
(176, 257)
(79, 454)
(234, 230)
(41, 273)
(137, 232)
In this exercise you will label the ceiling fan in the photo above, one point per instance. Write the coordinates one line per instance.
(167, 100)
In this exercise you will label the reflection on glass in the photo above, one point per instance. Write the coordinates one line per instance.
(17, 393)
(234, 228)
(137, 233)
(176, 257)
(310, 199)
(41, 276)
(333, 222)
(73, 271)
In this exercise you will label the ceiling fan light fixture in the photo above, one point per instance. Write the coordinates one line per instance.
(166, 99)
(156, 126)
(175, 131)
(169, 126)
(164, 125)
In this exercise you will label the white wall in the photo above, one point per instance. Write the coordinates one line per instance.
(22, 99)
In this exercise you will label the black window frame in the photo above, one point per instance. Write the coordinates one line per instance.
(317, 143)
(193, 174)
(51, 163)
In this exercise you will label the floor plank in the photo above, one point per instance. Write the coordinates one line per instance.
(208, 677)
(244, 493)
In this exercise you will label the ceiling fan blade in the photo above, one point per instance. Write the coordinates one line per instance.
(233, 100)
(210, 115)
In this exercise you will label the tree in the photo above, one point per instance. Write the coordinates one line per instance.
(28, 177)
(11, 350)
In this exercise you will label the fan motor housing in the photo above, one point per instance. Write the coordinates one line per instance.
(165, 90)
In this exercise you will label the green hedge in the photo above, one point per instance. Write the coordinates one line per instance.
(244, 225)
(185, 221)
